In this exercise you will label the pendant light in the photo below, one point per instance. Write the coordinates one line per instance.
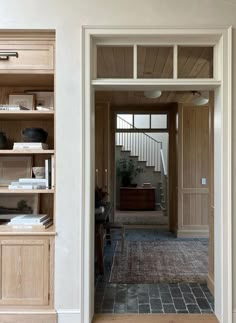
(200, 98)
(152, 94)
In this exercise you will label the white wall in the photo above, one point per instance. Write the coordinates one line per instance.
(67, 17)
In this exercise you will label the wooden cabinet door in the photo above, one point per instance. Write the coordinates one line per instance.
(24, 271)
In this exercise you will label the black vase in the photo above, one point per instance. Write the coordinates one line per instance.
(3, 140)
(34, 135)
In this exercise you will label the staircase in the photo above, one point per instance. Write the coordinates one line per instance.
(131, 143)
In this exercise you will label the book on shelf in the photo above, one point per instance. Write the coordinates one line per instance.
(30, 219)
(36, 181)
(52, 172)
(31, 227)
(25, 186)
(30, 145)
(48, 173)
(10, 107)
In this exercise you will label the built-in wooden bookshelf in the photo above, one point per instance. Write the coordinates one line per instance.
(33, 70)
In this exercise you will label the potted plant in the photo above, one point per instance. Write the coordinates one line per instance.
(127, 170)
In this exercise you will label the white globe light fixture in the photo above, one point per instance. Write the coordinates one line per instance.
(152, 94)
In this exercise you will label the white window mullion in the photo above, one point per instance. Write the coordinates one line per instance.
(175, 62)
(135, 63)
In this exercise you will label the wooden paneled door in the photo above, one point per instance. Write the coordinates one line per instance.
(193, 171)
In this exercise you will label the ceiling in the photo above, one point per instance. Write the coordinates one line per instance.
(154, 62)
(121, 98)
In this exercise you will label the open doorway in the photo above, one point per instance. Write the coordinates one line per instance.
(141, 166)
(153, 263)
(222, 134)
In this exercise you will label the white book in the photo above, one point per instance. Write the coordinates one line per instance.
(32, 181)
(10, 107)
(30, 218)
(26, 187)
(52, 172)
(47, 173)
(20, 187)
(30, 145)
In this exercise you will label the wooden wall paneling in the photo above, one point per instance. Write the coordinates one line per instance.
(193, 196)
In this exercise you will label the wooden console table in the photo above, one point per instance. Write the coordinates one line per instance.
(137, 198)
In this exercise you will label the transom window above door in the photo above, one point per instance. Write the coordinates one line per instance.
(154, 62)
(141, 121)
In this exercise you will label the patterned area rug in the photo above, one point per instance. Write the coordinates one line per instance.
(160, 261)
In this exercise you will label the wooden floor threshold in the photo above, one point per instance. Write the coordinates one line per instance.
(155, 318)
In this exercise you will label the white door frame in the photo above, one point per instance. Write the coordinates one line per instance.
(221, 38)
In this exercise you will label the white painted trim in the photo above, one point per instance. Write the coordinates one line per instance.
(223, 153)
(175, 62)
(152, 84)
(234, 316)
(69, 315)
(68, 311)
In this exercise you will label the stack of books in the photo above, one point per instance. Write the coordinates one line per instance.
(29, 184)
(40, 221)
(10, 107)
(29, 145)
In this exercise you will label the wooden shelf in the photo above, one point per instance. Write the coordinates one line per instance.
(27, 152)
(5, 190)
(26, 115)
(6, 230)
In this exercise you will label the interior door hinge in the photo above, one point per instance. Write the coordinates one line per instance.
(48, 296)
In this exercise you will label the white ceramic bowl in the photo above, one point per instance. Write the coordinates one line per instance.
(39, 172)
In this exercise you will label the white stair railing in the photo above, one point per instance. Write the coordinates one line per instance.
(139, 143)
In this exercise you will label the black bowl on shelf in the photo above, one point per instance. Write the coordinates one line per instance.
(3, 140)
(34, 135)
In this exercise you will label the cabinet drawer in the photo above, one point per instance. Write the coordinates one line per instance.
(31, 57)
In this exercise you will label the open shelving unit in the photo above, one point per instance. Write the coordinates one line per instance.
(32, 71)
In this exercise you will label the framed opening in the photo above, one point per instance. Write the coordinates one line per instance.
(222, 135)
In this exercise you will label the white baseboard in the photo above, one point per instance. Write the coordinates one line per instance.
(234, 315)
(69, 316)
(210, 284)
(192, 234)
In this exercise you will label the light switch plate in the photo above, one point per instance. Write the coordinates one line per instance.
(204, 181)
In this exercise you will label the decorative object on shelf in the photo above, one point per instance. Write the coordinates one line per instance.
(127, 169)
(44, 100)
(3, 141)
(19, 203)
(39, 172)
(34, 135)
(13, 168)
(24, 100)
